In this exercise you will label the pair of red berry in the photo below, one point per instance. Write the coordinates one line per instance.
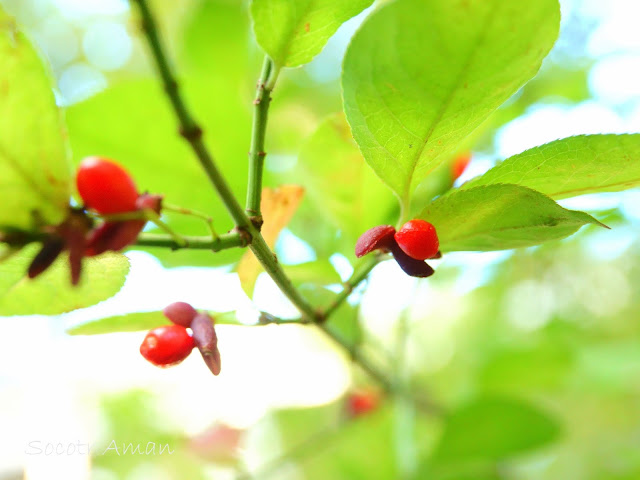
(106, 188)
(171, 344)
(415, 242)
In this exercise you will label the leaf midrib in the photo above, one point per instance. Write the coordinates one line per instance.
(447, 102)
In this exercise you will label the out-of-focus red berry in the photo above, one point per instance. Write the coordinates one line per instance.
(362, 402)
(460, 164)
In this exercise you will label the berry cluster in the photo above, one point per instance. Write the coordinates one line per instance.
(171, 344)
(106, 189)
(414, 243)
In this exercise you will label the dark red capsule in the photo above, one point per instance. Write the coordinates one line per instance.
(376, 238)
(204, 335)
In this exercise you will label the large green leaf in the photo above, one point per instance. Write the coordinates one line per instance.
(292, 32)
(492, 428)
(340, 183)
(420, 75)
(133, 322)
(51, 292)
(572, 166)
(132, 122)
(34, 169)
(499, 217)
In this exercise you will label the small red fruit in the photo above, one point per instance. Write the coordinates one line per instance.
(418, 239)
(105, 186)
(180, 313)
(362, 402)
(167, 345)
(460, 164)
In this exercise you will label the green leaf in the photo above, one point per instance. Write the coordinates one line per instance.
(133, 322)
(421, 75)
(139, 130)
(493, 428)
(292, 32)
(500, 217)
(51, 293)
(35, 175)
(340, 183)
(572, 166)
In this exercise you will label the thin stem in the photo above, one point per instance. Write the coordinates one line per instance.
(153, 217)
(189, 129)
(257, 152)
(360, 273)
(192, 213)
(223, 242)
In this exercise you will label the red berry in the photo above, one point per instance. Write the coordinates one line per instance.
(360, 403)
(460, 164)
(418, 239)
(180, 313)
(167, 345)
(105, 186)
(380, 237)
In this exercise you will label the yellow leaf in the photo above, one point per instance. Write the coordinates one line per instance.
(278, 207)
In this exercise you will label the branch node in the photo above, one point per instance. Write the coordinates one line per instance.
(245, 236)
(256, 219)
(320, 316)
(191, 133)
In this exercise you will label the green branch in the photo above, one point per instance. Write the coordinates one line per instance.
(189, 129)
(360, 273)
(257, 152)
(222, 242)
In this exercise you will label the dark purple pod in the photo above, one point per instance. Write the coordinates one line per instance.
(51, 248)
(113, 236)
(180, 313)
(376, 238)
(204, 334)
(411, 266)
